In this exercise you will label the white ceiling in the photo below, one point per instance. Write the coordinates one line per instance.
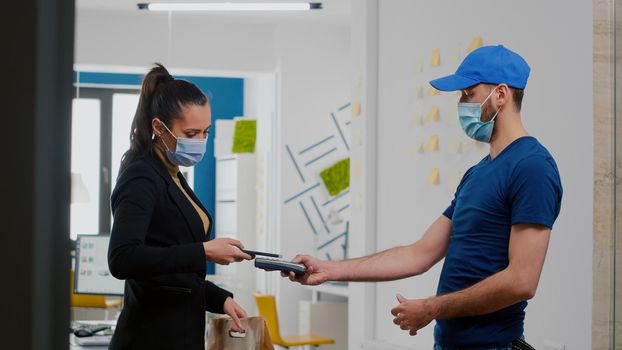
(333, 10)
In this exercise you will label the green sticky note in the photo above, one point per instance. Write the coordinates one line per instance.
(244, 136)
(337, 177)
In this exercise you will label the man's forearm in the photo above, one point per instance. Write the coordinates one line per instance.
(388, 265)
(492, 294)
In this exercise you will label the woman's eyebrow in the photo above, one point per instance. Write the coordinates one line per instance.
(196, 130)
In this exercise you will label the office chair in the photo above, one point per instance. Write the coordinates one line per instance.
(266, 305)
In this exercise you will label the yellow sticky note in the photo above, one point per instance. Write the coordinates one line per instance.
(417, 148)
(357, 137)
(417, 119)
(356, 109)
(357, 170)
(419, 65)
(434, 178)
(434, 115)
(456, 51)
(433, 92)
(432, 145)
(419, 92)
(456, 146)
(477, 42)
(435, 61)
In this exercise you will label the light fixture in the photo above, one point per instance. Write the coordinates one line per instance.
(231, 6)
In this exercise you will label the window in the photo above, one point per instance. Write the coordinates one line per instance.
(85, 165)
(123, 109)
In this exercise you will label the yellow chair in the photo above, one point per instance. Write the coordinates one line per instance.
(266, 305)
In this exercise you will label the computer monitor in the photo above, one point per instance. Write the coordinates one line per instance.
(92, 275)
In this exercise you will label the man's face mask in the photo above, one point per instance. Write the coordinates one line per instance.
(188, 152)
(470, 115)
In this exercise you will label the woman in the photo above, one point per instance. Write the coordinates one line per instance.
(160, 237)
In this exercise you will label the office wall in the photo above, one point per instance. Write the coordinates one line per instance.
(141, 38)
(313, 82)
(555, 37)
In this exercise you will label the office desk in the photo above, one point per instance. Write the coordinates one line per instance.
(74, 346)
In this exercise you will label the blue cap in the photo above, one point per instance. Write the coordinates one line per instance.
(490, 65)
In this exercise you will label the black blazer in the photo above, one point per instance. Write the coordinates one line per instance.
(156, 246)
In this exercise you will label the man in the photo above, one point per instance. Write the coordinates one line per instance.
(495, 233)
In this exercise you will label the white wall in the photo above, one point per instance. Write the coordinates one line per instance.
(141, 38)
(555, 37)
(260, 103)
(313, 81)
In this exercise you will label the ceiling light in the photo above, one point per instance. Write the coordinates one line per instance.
(231, 6)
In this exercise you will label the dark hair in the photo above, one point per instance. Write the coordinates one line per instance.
(517, 96)
(163, 96)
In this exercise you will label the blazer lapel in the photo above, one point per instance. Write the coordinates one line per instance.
(192, 195)
(185, 207)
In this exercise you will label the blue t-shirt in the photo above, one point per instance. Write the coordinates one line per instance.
(520, 185)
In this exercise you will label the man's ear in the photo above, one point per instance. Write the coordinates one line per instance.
(503, 95)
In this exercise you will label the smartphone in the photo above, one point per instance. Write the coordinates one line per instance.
(254, 253)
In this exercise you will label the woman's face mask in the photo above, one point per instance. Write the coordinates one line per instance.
(470, 115)
(188, 152)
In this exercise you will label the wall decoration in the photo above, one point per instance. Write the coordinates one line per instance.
(419, 65)
(456, 53)
(435, 61)
(419, 95)
(428, 130)
(322, 170)
(356, 110)
(434, 115)
(432, 145)
(434, 177)
(244, 136)
(477, 42)
(336, 178)
(417, 119)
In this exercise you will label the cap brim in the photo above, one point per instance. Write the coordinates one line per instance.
(453, 83)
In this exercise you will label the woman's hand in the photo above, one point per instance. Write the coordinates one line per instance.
(224, 251)
(236, 312)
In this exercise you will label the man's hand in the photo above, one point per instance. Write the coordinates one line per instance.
(236, 312)
(317, 271)
(412, 315)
